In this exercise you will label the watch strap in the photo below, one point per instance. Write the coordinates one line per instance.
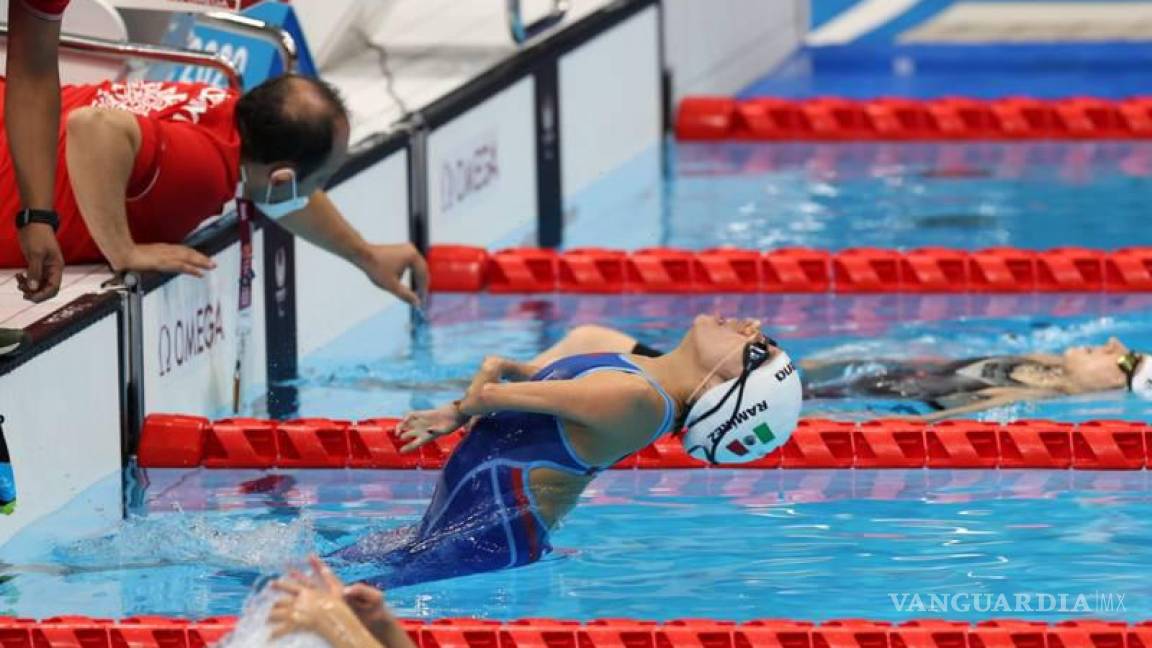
(43, 216)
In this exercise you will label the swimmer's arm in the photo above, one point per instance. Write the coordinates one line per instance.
(495, 369)
(993, 397)
(598, 401)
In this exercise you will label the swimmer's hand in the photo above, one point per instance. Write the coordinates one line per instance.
(368, 604)
(422, 427)
(312, 607)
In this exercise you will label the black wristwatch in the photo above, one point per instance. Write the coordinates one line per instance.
(45, 216)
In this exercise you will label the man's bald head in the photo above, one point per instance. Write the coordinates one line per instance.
(291, 119)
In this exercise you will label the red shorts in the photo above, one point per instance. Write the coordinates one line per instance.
(51, 9)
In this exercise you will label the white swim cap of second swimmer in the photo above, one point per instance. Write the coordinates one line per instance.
(734, 423)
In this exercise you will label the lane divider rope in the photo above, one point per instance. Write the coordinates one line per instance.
(900, 119)
(179, 441)
(163, 632)
(458, 268)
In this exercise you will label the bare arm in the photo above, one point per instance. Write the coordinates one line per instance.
(322, 224)
(32, 103)
(378, 619)
(32, 119)
(101, 150)
(495, 369)
(601, 401)
(421, 427)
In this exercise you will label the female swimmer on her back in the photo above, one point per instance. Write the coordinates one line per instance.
(539, 433)
(954, 387)
(951, 387)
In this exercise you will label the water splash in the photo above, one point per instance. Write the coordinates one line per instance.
(253, 630)
(230, 542)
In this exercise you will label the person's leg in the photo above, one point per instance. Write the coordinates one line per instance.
(587, 338)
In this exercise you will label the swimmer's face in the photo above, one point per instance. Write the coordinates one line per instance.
(1094, 367)
(719, 342)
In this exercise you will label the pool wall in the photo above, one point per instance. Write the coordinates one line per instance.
(169, 344)
(493, 162)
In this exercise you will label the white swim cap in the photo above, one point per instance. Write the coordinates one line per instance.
(1141, 380)
(733, 424)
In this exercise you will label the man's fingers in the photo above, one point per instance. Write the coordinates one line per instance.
(50, 286)
(35, 271)
(199, 260)
(406, 295)
(53, 276)
(188, 268)
(420, 274)
(194, 263)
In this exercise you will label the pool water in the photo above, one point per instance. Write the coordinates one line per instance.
(435, 364)
(726, 544)
(1034, 195)
(646, 544)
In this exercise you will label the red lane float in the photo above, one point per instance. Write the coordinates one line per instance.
(160, 632)
(170, 441)
(900, 119)
(458, 268)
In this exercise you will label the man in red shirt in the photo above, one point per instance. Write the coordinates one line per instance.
(33, 72)
(143, 163)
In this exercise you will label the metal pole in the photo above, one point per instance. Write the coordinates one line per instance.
(123, 51)
(245, 26)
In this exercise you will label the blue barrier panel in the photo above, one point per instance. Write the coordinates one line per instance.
(258, 60)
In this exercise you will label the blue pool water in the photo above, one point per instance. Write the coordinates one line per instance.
(435, 363)
(647, 544)
(869, 70)
(1034, 195)
(728, 544)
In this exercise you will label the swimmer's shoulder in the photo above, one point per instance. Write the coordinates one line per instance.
(629, 400)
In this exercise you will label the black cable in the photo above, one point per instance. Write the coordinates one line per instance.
(386, 70)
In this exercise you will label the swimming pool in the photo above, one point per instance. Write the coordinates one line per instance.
(1034, 195)
(745, 544)
(435, 363)
(647, 544)
(725, 544)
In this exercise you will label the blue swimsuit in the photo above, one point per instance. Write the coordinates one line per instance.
(482, 516)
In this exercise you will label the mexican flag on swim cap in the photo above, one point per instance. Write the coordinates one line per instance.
(746, 429)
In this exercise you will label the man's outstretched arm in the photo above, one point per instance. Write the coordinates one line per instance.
(322, 224)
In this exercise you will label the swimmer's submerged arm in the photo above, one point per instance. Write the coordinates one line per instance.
(993, 397)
